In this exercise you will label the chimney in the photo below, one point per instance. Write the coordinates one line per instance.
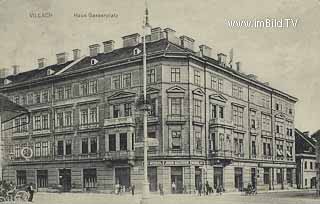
(238, 66)
(205, 50)
(156, 34)
(187, 42)
(222, 58)
(170, 35)
(306, 133)
(94, 50)
(15, 69)
(131, 40)
(62, 57)
(108, 46)
(76, 54)
(42, 62)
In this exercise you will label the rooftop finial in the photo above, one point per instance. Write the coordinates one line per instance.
(146, 25)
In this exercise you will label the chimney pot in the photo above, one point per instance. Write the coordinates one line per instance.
(62, 57)
(42, 62)
(238, 66)
(187, 42)
(108, 46)
(15, 69)
(76, 54)
(4, 72)
(156, 34)
(131, 40)
(205, 50)
(306, 133)
(94, 50)
(170, 35)
(222, 58)
(253, 77)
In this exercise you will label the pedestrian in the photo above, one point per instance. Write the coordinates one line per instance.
(207, 188)
(31, 191)
(116, 188)
(161, 189)
(173, 187)
(199, 188)
(132, 189)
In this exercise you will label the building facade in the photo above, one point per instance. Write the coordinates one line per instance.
(306, 160)
(207, 121)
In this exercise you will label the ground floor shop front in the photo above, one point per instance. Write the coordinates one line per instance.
(185, 175)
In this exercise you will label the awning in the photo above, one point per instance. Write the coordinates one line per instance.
(10, 110)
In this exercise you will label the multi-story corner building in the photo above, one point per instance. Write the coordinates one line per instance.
(207, 121)
(306, 160)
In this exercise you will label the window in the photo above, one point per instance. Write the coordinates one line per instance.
(237, 91)
(37, 97)
(93, 145)
(269, 149)
(123, 141)
(60, 93)
(212, 141)
(279, 176)
(266, 122)
(21, 177)
(311, 165)
(23, 100)
(221, 112)
(45, 122)
(84, 146)
(152, 135)
(116, 82)
(253, 120)
(84, 116)
(127, 80)
(213, 82)
(38, 149)
(153, 107)
(45, 149)
(93, 115)
(176, 106)
(127, 109)
(213, 111)
(68, 147)
(60, 119)
(196, 108)
(253, 148)
(93, 87)
(17, 151)
(238, 116)
(17, 99)
(175, 74)
(305, 165)
(30, 98)
(68, 92)
(112, 142)
(176, 140)
(266, 175)
(84, 87)
(306, 182)
(45, 96)
(198, 141)
(220, 85)
(60, 148)
(90, 178)
(279, 150)
(68, 118)
(116, 111)
(277, 106)
(42, 178)
(24, 125)
(37, 122)
(151, 75)
(197, 77)
(290, 111)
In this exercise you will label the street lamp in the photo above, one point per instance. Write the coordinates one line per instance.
(146, 31)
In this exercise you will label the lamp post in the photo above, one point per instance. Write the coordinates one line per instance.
(145, 190)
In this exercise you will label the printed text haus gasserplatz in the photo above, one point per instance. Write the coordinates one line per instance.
(207, 121)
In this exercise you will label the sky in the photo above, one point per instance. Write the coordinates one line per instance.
(288, 58)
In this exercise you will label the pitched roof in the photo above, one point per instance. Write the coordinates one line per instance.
(10, 110)
(306, 138)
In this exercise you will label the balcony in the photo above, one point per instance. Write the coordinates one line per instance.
(176, 119)
(120, 155)
(118, 121)
(88, 126)
(267, 157)
(266, 133)
(220, 122)
(63, 129)
(20, 134)
(219, 153)
(41, 132)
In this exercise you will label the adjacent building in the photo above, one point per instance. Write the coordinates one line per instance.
(207, 121)
(306, 160)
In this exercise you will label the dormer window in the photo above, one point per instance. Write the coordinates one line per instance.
(50, 72)
(93, 61)
(7, 81)
(136, 51)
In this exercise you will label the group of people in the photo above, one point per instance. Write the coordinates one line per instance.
(200, 189)
(8, 190)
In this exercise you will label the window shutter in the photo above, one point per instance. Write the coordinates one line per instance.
(76, 90)
(136, 78)
(108, 83)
